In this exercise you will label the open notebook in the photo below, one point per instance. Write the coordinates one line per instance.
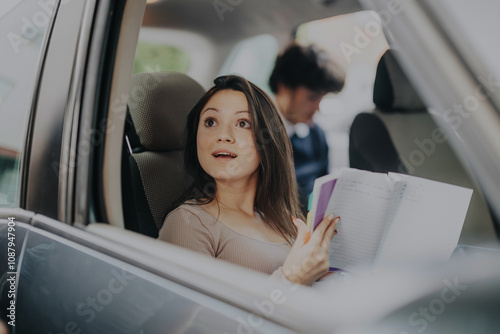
(389, 219)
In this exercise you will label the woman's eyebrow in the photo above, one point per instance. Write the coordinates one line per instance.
(210, 108)
(217, 110)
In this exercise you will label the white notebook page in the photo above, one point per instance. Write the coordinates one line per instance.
(427, 223)
(361, 199)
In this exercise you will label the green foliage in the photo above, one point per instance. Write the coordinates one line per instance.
(151, 57)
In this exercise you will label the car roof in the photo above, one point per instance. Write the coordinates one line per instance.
(245, 18)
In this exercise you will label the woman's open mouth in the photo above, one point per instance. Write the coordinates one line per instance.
(224, 155)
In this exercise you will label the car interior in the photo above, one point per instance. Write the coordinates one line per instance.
(142, 173)
(138, 69)
(152, 175)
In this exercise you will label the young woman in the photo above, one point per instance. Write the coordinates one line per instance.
(243, 202)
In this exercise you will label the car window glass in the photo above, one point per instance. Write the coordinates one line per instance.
(24, 25)
(254, 59)
(183, 44)
(155, 57)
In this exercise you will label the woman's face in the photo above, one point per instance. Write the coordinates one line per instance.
(225, 141)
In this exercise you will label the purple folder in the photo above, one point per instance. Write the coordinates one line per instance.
(324, 197)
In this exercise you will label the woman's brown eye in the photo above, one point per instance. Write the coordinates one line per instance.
(209, 122)
(244, 124)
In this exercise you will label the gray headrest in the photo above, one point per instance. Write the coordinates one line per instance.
(392, 90)
(159, 103)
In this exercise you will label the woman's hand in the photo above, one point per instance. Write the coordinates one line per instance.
(309, 259)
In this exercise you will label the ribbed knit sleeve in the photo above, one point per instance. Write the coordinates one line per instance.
(185, 229)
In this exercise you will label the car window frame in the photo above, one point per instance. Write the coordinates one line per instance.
(43, 163)
(24, 156)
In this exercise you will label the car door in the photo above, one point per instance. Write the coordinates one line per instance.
(59, 84)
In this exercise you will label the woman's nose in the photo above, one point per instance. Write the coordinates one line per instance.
(225, 137)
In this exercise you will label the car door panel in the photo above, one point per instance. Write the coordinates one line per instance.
(65, 285)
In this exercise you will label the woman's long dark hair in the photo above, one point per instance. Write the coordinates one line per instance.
(276, 197)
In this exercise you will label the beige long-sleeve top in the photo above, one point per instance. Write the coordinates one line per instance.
(192, 227)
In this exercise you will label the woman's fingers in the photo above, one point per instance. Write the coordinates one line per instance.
(330, 233)
(303, 232)
(320, 230)
(309, 259)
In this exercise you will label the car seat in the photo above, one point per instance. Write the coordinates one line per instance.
(152, 160)
(370, 144)
(398, 136)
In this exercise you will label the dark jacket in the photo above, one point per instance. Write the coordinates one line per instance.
(310, 155)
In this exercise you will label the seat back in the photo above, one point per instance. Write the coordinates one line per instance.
(401, 135)
(155, 138)
(370, 144)
(371, 147)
